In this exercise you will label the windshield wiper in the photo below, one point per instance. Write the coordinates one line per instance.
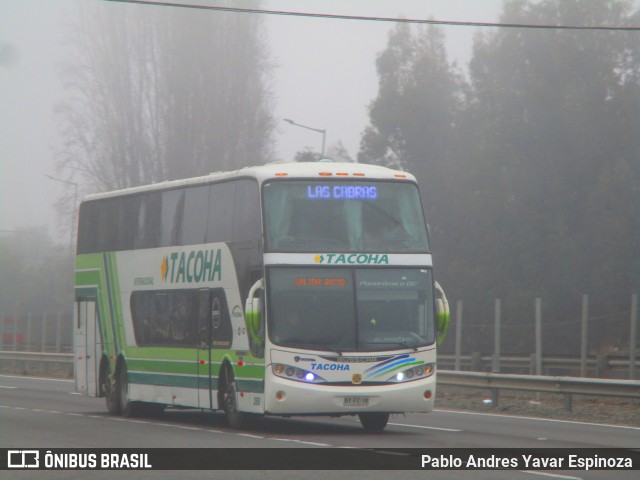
(402, 344)
(321, 346)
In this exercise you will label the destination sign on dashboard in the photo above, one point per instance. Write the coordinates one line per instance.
(319, 282)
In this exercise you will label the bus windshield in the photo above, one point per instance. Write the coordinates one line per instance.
(350, 309)
(340, 216)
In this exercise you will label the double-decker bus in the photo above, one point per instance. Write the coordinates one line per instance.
(283, 289)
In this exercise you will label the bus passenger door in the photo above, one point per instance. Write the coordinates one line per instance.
(204, 349)
(88, 347)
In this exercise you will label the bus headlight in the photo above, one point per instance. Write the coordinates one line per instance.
(296, 374)
(414, 373)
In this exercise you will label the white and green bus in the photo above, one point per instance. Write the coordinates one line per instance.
(283, 289)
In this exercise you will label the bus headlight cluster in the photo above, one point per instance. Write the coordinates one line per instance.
(295, 373)
(414, 373)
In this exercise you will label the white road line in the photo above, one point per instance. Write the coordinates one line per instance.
(538, 419)
(8, 388)
(38, 378)
(553, 475)
(425, 427)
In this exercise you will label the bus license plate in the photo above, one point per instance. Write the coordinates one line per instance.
(356, 401)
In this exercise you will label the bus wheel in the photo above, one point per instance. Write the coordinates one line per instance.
(128, 408)
(374, 422)
(235, 418)
(109, 390)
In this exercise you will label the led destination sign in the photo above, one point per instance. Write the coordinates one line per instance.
(343, 192)
(319, 282)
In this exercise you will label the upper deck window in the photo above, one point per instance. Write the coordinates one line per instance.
(338, 216)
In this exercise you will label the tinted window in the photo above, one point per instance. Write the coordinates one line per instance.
(128, 212)
(88, 228)
(107, 231)
(194, 219)
(220, 223)
(164, 317)
(172, 210)
(150, 232)
(246, 211)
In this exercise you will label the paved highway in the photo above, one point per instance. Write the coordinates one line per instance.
(47, 413)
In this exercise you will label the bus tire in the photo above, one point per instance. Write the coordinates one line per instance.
(108, 389)
(127, 407)
(374, 421)
(228, 400)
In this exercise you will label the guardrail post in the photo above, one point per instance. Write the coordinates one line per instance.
(538, 336)
(43, 340)
(458, 360)
(29, 325)
(2, 333)
(568, 400)
(15, 333)
(495, 396)
(476, 361)
(495, 367)
(601, 364)
(633, 340)
(58, 331)
(584, 336)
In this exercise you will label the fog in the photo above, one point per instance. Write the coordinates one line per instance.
(526, 146)
(324, 77)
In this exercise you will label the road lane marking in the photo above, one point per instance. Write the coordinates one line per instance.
(554, 475)
(538, 419)
(442, 429)
(8, 388)
(38, 378)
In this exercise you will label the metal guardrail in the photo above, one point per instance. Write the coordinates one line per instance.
(566, 386)
(55, 364)
(597, 364)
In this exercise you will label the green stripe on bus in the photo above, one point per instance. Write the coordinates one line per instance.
(184, 381)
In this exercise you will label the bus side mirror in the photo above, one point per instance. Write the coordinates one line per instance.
(253, 314)
(443, 315)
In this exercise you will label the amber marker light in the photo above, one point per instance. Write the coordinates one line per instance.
(281, 174)
(325, 174)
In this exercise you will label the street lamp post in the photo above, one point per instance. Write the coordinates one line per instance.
(73, 210)
(323, 132)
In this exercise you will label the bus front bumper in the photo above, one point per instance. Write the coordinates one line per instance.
(288, 397)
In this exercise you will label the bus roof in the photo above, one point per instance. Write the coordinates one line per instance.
(319, 170)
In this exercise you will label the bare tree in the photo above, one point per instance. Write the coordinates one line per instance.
(156, 93)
